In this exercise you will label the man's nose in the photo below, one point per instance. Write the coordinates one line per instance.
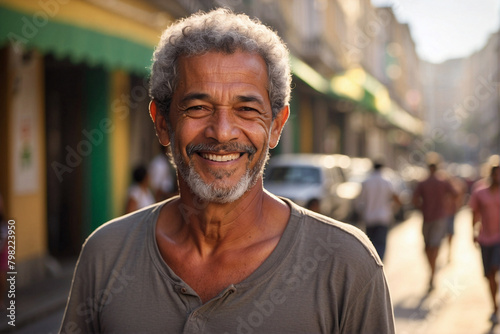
(223, 126)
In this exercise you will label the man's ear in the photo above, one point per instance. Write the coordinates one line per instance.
(160, 124)
(277, 126)
(152, 110)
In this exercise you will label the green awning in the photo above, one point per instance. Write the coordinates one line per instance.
(77, 43)
(340, 86)
(361, 88)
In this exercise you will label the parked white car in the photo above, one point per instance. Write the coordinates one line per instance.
(310, 180)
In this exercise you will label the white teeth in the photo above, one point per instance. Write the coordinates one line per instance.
(221, 158)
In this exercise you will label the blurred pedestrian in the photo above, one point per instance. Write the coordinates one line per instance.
(161, 176)
(314, 205)
(484, 172)
(453, 205)
(429, 197)
(375, 203)
(139, 194)
(485, 205)
(225, 255)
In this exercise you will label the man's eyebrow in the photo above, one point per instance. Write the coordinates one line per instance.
(195, 96)
(239, 98)
(250, 98)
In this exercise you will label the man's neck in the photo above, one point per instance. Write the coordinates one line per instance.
(216, 223)
(213, 227)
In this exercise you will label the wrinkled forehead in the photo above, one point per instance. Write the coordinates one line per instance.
(215, 67)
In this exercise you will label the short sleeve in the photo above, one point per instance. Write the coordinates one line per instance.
(473, 201)
(371, 310)
(81, 313)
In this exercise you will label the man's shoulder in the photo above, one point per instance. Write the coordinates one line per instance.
(115, 231)
(431, 182)
(339, 235)
(484, 193)
(376, 178)
(425, 181)
(476, 192)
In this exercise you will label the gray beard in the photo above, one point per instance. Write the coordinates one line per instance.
(212, 193)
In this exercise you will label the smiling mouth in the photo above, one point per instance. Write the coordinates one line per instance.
(220, 157)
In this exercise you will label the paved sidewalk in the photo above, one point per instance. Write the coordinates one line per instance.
(460, 303)
(40, 299)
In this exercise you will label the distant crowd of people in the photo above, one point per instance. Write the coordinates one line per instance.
(439, 197)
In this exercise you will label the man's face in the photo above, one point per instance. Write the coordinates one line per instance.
(221, 124)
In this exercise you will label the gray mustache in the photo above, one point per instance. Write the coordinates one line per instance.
(228, 147)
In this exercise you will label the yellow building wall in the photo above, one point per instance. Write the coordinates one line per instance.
(26, 188)
(22, 116)
(25, 201)
(120, 139)
(133, 20)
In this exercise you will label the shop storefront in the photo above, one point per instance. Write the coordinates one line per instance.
(73, 113)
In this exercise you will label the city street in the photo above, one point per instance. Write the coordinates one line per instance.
(458, 305)
(460, 301)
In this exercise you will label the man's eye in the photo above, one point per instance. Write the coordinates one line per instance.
(197, 111)
(249, 109)
(196, 108)
(250, 113)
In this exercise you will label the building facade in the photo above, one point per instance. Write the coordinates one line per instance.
(73, 115)
(463, 105)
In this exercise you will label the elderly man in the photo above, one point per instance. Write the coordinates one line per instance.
(225, 256)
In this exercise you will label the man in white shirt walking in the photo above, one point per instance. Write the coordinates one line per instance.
(375, 205)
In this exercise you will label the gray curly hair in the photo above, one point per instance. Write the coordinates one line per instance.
(219, 30)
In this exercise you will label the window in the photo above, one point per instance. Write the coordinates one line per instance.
(295, 174)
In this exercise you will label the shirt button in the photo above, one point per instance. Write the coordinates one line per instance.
(184, 290)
